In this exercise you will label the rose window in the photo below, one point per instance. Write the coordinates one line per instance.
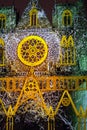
(32, 50)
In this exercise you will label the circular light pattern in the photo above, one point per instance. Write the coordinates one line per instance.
(32, 50)
(65, 101)
(30, 86)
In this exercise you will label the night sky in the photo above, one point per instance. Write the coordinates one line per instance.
(47, 5)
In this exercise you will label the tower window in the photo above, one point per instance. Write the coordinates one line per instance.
(67, 18)
(2, 21)
(33, 20)
(68, 52)
(33, 16)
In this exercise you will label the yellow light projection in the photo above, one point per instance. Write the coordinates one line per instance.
(32, 50)
(33, 13)
(67, 18)
(68, 51)
(2, 56)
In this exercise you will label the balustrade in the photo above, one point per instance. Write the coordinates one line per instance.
(51, 83)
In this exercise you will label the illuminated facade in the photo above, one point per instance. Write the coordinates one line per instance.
(36, 62)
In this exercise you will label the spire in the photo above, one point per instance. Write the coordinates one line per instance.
(35, 2)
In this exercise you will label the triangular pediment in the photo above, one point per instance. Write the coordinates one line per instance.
(24, 22)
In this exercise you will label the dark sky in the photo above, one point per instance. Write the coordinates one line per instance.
(47, 5)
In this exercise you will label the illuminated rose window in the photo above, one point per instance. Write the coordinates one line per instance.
(32, 50)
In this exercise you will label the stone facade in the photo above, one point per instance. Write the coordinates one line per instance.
(13, 34)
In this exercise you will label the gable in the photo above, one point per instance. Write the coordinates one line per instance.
(24, 22)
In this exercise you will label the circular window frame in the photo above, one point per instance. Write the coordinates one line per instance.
(23, 41)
